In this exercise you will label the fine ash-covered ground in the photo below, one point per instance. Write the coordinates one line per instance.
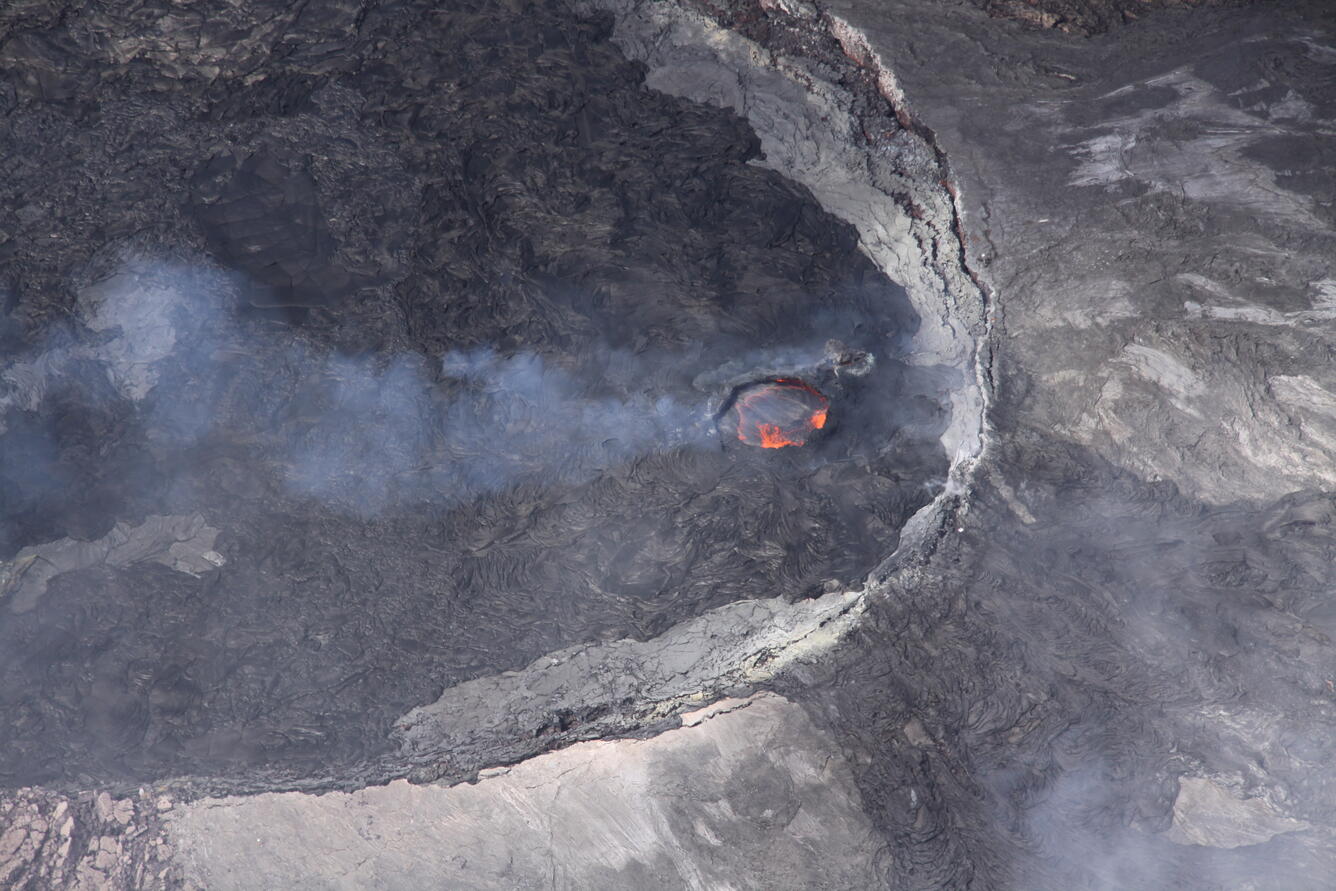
(361, 365)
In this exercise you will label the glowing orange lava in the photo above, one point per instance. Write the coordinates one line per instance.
(772, 437)
(778, 413)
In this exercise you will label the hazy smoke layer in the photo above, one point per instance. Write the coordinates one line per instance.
(390, 433)
(365, 433)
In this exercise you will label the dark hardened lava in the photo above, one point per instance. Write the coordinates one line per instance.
(399, 180)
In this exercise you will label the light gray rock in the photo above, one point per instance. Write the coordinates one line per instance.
(182, 543)
(742, 643)
(750, 794)
(1207, 813)
(50, 840)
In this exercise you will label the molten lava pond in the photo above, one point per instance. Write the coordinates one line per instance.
(777, 414)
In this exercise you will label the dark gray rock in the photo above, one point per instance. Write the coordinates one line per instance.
(410, 304)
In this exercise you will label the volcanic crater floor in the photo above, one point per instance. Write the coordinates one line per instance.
(411, 318)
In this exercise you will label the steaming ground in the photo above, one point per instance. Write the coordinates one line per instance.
(426, 315)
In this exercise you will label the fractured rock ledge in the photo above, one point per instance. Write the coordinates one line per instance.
(589, 691)
(749, 795)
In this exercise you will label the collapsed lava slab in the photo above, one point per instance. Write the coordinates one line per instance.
(778, 413)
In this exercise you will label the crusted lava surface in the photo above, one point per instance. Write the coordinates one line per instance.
(406, 303)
